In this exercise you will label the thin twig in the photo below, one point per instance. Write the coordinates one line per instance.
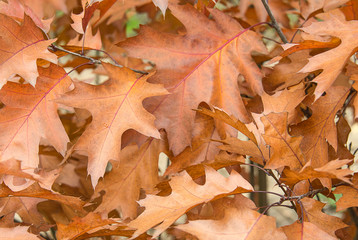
(94, 61)
(274, 23)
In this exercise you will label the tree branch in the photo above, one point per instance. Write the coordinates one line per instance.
(94, 61)
(274, 23)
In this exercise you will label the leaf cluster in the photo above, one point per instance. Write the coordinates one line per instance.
(114, 129)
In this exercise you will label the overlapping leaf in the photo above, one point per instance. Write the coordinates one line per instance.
(320, 127)
(185, 195)
(30, 114)
(116, 106)
(238, 223)
(137, 168)
(200, 66)
(331, 61)
(20, 47)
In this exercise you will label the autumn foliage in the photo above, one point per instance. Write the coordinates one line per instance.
(227, 94)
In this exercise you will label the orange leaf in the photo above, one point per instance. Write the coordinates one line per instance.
(309, 44)
(138, 168)
(350, 195)
(116, 106)
(286, 151)
(320, 127)
(31, 114)
(200, 66)
(35, 191)
(185, 195)
(313, 213)
(331, 61)
(20, 46)
(305, 230)
(332, 170)
(17, 233)
(238, 223)
(79, 227)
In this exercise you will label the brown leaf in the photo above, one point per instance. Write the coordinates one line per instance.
(17, 233)
(320, 128)
(331, 170)
(350, 195)
(305, 230)
(91, 223)
(20, 47)
(286, 151)
(331, 61)
(35, 191)
(185, 195)
(202, 148)
(30, 114)
(285, 74)
(313, 213)
(238, 223)
(247, 148)
(138, 168)
(221, 115)
(291, 100)
(311, 6)
(116, 106)
(200, 66)
(26, 208)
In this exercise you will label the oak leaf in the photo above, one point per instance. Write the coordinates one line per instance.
(17, 8)
(26, 208)
(185, 195)
(35, 191)
(291, 99)
(137, 168)
(17, 233)
(350, 195)
(200, 66)
(305, 230)
(238, 223)
(20, 47)
(286, 149)
(320, 128)
(80, 227)
(202, 149)
(312, 6)
(332, 61)
(332, 170)
(313, 213)
(30, 114)
(116, 106)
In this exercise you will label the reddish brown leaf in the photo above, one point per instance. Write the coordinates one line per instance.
(331, 61)
(202, 149)
(116, 106)
(286, 151)
(17, 233)
(30, 114)
(231, 120)
(313, 213)
(79, 227)
(20, 46)
(350, 195)
(320, 127)
(332, 170)
(35, 191)
(185, 195)
(138, 168)
(238, 223)
(305, 230)
(200, 66)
